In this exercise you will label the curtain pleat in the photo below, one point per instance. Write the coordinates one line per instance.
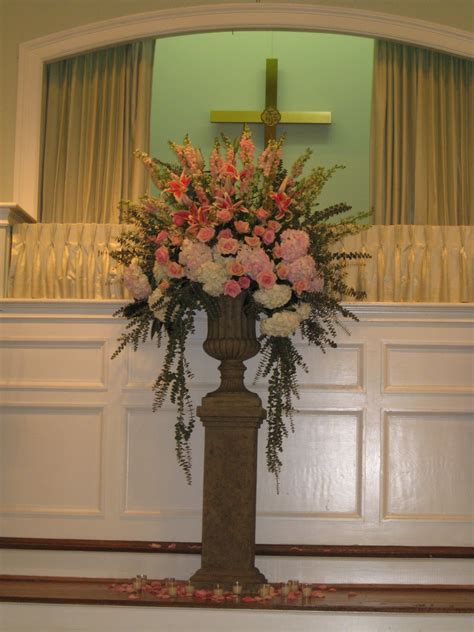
(409, 263)
(97, 111)
(421, 137)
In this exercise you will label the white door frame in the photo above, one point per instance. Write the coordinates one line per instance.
(269, 16)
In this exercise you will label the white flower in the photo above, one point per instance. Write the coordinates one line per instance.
(193, 254)
(280, 324)
(136, 281)
(274, 297)
(213, 277)
(303, 310)
(159, 272)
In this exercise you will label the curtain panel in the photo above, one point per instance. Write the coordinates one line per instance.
(421, 137)
(408, 263)
(97, 111)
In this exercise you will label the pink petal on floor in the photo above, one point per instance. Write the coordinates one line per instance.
(322, 586)
(352, 594)
(155, 545)
(248, 599)
(171, 546)
(332, 589)
(133, 596)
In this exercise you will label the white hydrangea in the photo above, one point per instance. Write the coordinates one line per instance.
(274, 297)
(136, 281)
(154, 297)
(303, 310)
(280, 324)
(213, 276)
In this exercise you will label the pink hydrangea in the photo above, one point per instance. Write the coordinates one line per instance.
(294, 244)
(136, 281)
(193, 254)
(254, 261)
(302, 269)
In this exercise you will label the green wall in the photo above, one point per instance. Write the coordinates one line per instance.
(197, 73)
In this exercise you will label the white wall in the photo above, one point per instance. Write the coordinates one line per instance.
(382, 452)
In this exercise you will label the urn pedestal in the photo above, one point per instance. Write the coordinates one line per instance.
(231, 416)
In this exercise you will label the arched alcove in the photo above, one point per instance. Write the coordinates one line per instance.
(35, 53)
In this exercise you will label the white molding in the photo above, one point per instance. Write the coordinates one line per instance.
(269, 16)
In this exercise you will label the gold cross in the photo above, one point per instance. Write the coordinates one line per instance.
(270, 117)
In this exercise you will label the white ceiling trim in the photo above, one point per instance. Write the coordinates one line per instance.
(285, 16)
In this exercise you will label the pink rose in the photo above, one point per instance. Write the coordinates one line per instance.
(162, 236)
(283, 270)
(266, 279)
(205, 234)
(268, 236)
(176, 240)
(180, 218)
(235, 268)
(225, 234)
(262, 214)
(162, 255)
(301, 286)
(224, 216)
(232, 288)
(274, 225)
(254, 242)
(175, 270)
(244, 282)
(241, 227)
(277, 251)
(227, 246)
(258, 230)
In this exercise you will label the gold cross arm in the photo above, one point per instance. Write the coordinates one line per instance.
(270, 117)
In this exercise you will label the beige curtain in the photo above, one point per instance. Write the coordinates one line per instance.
(408, 264)
(97, 112)
(421, 146)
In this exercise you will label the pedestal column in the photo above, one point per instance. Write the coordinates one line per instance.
(231, 416)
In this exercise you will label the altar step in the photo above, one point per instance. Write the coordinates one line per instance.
(50, 603)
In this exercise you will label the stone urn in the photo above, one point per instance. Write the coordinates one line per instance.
(231, 416)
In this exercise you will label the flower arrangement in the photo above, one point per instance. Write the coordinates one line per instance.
(244, 225)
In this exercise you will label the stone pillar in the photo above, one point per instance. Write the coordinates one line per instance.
(231, 416)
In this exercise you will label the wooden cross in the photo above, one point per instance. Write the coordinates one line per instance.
(271, 116)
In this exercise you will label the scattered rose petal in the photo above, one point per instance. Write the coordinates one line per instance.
(322, 586)
(332, 589)
(195, 546)
(171, 546)
(248, 599)
(295, 548)
(133, 596)
(352, 594)
(155, 545)
(292, 596)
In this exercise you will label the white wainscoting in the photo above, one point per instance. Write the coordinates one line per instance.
(382, 453)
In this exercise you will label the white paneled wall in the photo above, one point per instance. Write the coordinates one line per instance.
(382, 453)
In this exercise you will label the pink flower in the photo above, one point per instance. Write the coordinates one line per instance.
(180, 218)
(262, 214)
(254, 260)
(252, 241)
(302, 268)
(282, 270)
(282, 202)
(232, 288)
(225, 234)
(276, 226)
(224, 216)
(229, 170)
(176, 240)
(175, 270)
(258, 230)
(241, 227)
(227, 246)
(178, 186)
(301, 286)
(205, 234)
(317, 284)
(294, 244)
(277, 251)
(163, 285)
(244, 282)
(266, 279)
(162, 255)
(235, 268)
(268, 236)
(162, 236)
